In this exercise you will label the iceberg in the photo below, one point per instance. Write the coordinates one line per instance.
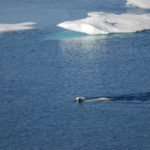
(139, 3)
(16, 27)
(106, 23)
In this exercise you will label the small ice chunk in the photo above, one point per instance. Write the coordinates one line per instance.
(139, 3)
(105, 23)
(16, 27)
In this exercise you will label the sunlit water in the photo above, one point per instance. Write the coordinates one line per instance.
(43, 70)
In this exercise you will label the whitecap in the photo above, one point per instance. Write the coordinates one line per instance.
(106, 23)
(16, 27)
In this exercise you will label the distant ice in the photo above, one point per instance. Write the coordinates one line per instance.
(16, 27)
(140, 3)
(105, 23)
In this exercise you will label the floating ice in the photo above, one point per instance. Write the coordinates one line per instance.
(105, 23)
(16, 27)
(140, 3)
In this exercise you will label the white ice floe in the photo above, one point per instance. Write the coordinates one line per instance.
(16, 27)
(105, 23)
(139, 3)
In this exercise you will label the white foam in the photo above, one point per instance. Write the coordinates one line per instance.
(16, 27)
(105, 23)
(139, 3)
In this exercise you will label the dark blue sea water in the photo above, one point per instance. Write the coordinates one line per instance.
(43, 70)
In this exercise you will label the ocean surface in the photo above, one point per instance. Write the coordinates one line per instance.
(44, 69)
